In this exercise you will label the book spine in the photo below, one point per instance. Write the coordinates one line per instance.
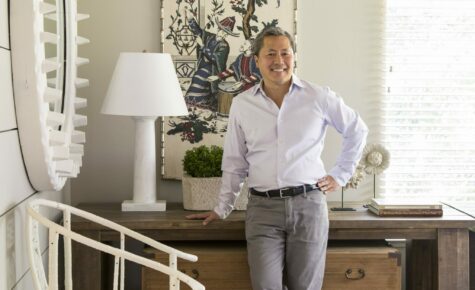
(408, 207)
(410, 212)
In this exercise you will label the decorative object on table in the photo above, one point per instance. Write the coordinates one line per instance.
(44, 49)
(400, 207)
(357, 177)
(202, 181)
(144, 86)
(375, 160)
(354, 181)
(194, 32)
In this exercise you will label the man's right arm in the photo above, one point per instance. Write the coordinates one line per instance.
(234, 166)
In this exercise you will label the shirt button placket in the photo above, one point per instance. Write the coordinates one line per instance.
(280, 151)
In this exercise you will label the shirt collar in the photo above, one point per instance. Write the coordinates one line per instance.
(295, 82)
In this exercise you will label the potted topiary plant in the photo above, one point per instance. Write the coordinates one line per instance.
(202, 179)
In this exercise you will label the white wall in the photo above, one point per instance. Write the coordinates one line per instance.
(114, 26)
(333, 50)
(15, 189)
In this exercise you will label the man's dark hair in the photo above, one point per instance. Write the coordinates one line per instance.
(270, 31)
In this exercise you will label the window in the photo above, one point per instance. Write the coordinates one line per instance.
(428, 117)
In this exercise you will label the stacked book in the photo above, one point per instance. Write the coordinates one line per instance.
(398, 207)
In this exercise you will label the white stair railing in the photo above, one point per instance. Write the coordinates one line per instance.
(120, 254)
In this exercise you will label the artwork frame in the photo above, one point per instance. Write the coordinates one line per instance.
(210, 41)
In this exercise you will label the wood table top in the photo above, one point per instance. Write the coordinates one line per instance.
(174, 217)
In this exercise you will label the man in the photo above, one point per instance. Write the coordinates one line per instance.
(275, 137)
(212, 58)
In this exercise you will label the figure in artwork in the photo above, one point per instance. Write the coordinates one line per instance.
(212, 57)
(243, 69)
(211, 43)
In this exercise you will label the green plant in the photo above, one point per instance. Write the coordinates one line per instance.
(203, 161)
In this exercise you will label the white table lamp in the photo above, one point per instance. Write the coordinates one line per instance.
(145, 87)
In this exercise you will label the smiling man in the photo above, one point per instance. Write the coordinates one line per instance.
(275, 137)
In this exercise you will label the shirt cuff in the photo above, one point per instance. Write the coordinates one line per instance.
(340, 176)
(223, 210)
(231, 185)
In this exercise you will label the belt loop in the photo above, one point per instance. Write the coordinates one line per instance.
(267, 193)
(305, 190)
(248, 193)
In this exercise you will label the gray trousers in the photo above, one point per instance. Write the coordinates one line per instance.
(287, 241)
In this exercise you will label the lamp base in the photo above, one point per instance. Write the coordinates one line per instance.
(130, 205)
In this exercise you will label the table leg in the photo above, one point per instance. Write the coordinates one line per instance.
(87, 264)
(471, 238)
(453, 259)
(421, 265)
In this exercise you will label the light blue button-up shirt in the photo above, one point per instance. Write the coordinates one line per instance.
(278, 148)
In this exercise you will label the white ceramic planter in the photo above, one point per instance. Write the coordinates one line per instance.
(202, 193)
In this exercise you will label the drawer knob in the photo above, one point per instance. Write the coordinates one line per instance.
(355, 275)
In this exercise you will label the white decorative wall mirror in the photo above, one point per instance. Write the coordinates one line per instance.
(44, 44)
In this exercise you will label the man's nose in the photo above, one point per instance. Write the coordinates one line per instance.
(278, 58)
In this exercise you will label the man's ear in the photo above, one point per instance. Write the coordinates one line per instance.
(256, 59)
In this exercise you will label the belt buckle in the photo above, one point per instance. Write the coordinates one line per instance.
(280, 192)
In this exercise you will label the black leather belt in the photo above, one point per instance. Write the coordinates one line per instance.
(285, 192)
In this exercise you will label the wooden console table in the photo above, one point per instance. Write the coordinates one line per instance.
(450, 233)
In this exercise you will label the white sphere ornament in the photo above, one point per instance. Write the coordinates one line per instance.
(375, 158)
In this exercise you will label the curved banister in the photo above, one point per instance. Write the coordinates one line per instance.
(33, 213)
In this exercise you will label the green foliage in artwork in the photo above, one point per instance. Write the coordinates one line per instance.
(274, 22)
(203, 161)
(261, 2)
(240, 10)
(217, 9)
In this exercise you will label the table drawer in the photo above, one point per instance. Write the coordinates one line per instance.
(220, 266)
(223, 265)
(362, 268)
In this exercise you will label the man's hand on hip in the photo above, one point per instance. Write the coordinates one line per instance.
(327, 184)
(206, 216)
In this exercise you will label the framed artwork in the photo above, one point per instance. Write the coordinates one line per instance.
(210, 43)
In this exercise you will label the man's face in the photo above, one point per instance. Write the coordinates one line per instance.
(276, 60)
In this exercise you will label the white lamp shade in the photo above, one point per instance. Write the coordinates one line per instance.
(144, 84)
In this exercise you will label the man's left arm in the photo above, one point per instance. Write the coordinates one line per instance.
(354, 132)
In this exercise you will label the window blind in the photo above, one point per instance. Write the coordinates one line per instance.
(428, 108)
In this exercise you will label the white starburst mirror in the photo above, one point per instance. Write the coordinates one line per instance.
(44, 44)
